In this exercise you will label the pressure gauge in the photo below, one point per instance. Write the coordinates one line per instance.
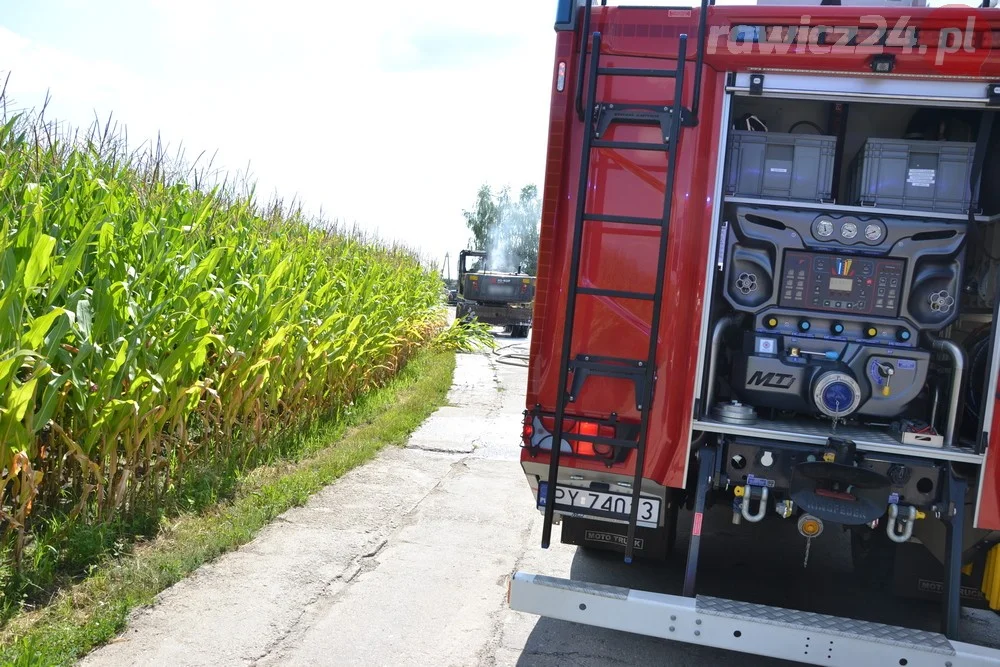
(849, 230)
(873, 232)
(824, 228)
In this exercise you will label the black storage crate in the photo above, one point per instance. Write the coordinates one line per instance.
(776, 165)
(915, 174)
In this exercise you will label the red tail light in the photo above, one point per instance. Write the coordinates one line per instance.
(584, 448)
(577, 426)
(527, 430)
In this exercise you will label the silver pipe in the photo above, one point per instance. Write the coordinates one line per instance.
(958, 369)
(717, 333)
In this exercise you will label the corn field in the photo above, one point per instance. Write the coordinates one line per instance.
(148, 327)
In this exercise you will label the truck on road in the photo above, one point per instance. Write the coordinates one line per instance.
(498, 298)
(766, 288)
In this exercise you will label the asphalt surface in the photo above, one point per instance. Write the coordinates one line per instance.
(405, 561)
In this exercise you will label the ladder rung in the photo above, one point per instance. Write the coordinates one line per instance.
(637, 71)
(623, 219)
(616, 294)
(609, 367)
(602, 440)
(630, 145)
(617, 362)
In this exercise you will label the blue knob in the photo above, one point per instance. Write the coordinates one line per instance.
(903, 334)
(837, 328)
(804, 325)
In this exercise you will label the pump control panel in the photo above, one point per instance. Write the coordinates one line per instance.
(842, 284)
(836, 331)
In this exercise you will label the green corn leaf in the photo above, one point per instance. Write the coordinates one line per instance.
(106, 239)
(38, 263)
(39, 328)
(206, 266)
(353, 325)
(84, 317)
(119, 359)
(20, 397)
(9, 365)
(67, 270)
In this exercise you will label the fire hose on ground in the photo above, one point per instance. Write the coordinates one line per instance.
(513, 354)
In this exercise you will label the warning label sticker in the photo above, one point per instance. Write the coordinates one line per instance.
(778, 170)
(921, 178)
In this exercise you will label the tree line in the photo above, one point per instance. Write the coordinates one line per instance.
(506, 227)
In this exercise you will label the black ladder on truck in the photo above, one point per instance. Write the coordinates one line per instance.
(598, 117)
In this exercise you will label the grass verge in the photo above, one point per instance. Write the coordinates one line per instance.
(90, 613)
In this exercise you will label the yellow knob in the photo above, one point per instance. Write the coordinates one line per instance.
(772, 322)
(885, 390)
(810, 527)
(738, 491)
(871, 332)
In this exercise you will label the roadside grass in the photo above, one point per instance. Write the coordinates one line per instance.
(87, 614)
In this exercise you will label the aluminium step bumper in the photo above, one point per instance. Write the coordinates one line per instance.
(740, 626)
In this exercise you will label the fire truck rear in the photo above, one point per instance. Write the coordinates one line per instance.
(767, 285)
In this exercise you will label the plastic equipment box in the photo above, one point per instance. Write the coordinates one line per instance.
(775, 165)
(917, 174)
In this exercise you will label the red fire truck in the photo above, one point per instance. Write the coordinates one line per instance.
(767, 281)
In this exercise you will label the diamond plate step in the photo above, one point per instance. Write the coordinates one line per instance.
(834, 625)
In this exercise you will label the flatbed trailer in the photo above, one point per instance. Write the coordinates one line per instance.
(798, 326)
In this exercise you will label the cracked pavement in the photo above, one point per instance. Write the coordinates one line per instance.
(405, 561)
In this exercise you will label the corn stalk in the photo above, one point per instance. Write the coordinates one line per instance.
(148, 326)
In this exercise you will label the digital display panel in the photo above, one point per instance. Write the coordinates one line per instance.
(841, 284)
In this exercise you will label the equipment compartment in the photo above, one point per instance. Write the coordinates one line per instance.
(927, 175)
(862, 316)
(776, 165)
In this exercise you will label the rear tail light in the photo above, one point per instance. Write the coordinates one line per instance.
(537, 432)
(582, 447)
(527, 430)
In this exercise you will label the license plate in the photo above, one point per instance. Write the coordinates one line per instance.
(577, 502)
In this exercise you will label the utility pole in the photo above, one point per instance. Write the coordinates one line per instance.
(446, 267)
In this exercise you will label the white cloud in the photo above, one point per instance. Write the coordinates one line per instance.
(349, 106)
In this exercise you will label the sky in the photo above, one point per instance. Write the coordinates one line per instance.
(388, 115)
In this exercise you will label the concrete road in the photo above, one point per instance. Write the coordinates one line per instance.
(405, 561)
